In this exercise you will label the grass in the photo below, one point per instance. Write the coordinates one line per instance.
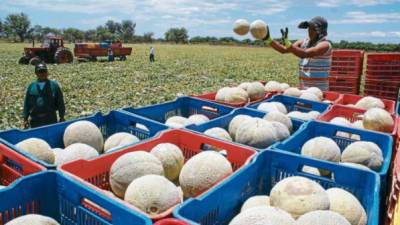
(102, 86)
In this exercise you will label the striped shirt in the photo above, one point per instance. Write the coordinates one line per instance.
(314, 72)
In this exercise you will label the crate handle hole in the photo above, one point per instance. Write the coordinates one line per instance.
(210, 109)
(138, 126)
(315, 171)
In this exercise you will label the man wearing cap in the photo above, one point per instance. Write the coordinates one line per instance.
(43, 99)
(314, 52)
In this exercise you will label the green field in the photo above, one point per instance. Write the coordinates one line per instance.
(102, 86)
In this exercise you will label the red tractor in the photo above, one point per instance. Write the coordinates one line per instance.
(52, 50)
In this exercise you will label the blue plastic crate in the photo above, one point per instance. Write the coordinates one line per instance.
(224, 121)
(69, 202)
(219, 206)
(295, 104)
(182, 106)
(315, 129)
(109, 124)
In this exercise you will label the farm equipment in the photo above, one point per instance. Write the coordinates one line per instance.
(91, 51)
(52, 50)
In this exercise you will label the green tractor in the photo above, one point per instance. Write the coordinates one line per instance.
(52, 50)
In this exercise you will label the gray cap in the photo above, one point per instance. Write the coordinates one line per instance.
(318, 22)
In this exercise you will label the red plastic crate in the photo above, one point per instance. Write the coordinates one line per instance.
(332, 96)
(389, 75)
(95, 173)
(344, 85)
(14, 165)
(393, 206)
(170, 221)
(372, 67)
(346, 99)
(347, 63)
(350, 113)
(382, 88)
(383, 59)
(211, 97)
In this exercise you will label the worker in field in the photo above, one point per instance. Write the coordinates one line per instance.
(314, 52)
(152, 54)
(110, 55)
(42, 101)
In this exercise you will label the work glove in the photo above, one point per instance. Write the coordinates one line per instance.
(268, 38)
(285, 39)
(26, 124)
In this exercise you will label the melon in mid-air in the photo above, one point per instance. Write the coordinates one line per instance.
(299, 195)
(130, 166)
(84, 132)
(171, 157)
(33, 219)
(258, 29)
(119, 139)
(202, 171)
(152, 194)
(37, 148)
(241, 27)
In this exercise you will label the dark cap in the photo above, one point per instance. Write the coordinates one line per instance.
(41, 67)
(317, 22)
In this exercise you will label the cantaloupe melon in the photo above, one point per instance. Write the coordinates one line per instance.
(356, 165)
(255, 201)
(241, 27)
(235, 123)
(341, 121)
(256, 91)
(177, 122)
(257, 133)
(299, 195)
(284, 86)
(322, 217)
(84, 132)
(281, 131)
(171, 157)
(202, 171)
(273, 86)
(292, 91)
(130, 166)
(365, 153)
(369, 102)
(272, 106)
(74, 152)
(258, 29)
(279, 117)
(310, 96)
(33, 219)
(378, 120)
(198, 119)
(219, 133)
(316, 91)
(263, 215)
(221, 93)
(311, 170)
(153, 194)
(236, 95)
(37, 148)
(119, 139)
(347, 205)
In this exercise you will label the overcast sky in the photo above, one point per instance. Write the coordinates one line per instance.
(353, 20)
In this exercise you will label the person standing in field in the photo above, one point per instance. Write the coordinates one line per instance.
(314, 52)
(42, 100)
(110, 55)
(152, 55)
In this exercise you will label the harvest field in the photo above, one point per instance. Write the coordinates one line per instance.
(103, 86)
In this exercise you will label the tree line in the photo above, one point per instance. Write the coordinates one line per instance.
(17, 28)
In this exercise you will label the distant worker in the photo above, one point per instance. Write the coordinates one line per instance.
(42, 101)
(152, 55)
(314, 52)
(110, 55)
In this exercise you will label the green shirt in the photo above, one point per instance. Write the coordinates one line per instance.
(46, 100)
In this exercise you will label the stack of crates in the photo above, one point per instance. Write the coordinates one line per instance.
(346, 71)
(382, 77)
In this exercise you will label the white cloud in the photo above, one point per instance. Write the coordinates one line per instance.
(359, 17)
(359, 3)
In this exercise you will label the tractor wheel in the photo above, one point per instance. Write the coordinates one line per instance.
(122, 58)
(63, 55)
(34, 61)
(23, 60)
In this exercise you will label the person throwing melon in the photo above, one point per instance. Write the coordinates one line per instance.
(314, 52)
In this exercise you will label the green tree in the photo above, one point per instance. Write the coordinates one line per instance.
(73, 34)
(127, 30)
(90, 35)
(148, 37)
(102, 33)
(17, 25)
(113, 27)
(177, 35)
